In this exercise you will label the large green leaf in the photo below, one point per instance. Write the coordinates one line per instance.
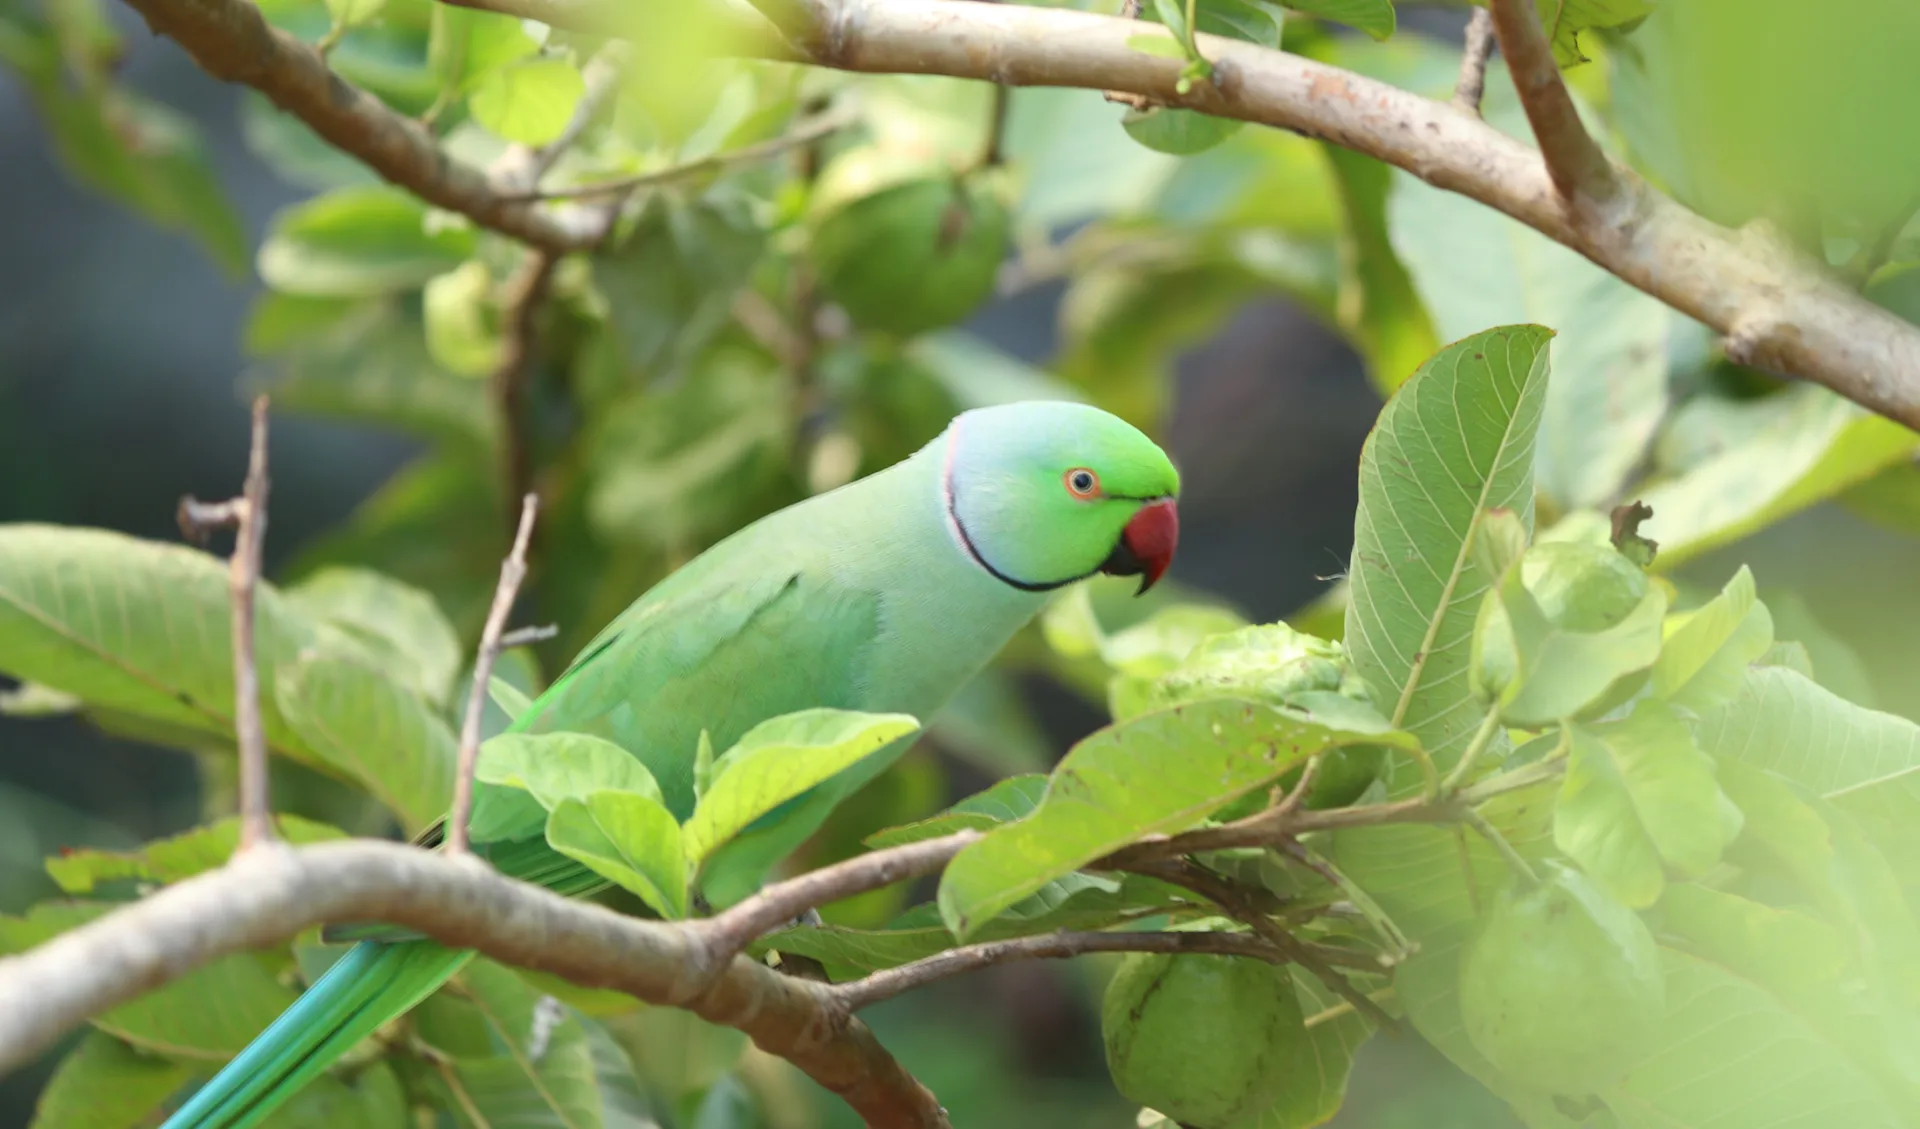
(1865, 761)
(466, 45)
(1565, 20)
(399, 625)
(1474, 268)
(1161, 773)
(1455, 441)
(175, 857)
(137, 627)
(1640, 797)
(355, 242)
(361, 722)
(518, 1058)
(1375, 17)
(780, 759)
(1705, 659)
(1007, 800)
(529, 101)
(1783, 453)
(368, 1096)
(628, 838)
(105, 1084)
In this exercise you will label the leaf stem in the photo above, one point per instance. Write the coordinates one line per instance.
(1482, 737)
(1492, 835)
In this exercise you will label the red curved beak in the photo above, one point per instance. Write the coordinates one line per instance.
(1147, 544)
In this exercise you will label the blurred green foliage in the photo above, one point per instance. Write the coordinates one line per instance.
(759, 328)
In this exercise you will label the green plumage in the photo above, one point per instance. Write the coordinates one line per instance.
(866, 598)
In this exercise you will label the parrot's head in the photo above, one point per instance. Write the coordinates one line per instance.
(1045, 493)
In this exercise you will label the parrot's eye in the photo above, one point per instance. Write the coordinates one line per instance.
(1082, 483)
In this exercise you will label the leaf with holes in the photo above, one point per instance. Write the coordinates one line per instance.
(1161, 773)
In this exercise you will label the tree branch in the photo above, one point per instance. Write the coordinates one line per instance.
(264, 897)
(513, 570)
(1472, 86)
(1578, 168)
(1780, 311)
(888, 983)
(248, 515)
(231, 40)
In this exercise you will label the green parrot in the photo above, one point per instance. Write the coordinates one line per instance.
(885, 595)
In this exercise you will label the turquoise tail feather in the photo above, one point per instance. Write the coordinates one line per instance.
(370, 985)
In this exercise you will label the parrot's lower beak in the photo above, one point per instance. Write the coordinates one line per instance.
(1146, 545)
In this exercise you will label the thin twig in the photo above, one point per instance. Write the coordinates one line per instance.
(1472, 86)
(521, 636)
(1574, 161)
(248, 515)
(512, 571)
(731, 931)
(527, 293)
(1499, 842)
(1482, 737)
(806, 133)
(888, 983)
(993, 150)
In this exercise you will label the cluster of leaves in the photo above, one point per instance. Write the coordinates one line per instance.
(754, 331)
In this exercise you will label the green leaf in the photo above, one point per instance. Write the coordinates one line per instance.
(1456, 440)
(1866, 762)
(1379, 309)
(291, 149)
(1318, 1065)
(1560, 673)
(142, 154)
(1158, 774)
(629, 838)
(508, 697)
(559, 766)
(1008, 800)
(462, 323)
(358, 242)
(137, 627)
(370, 1095)
(1474, 268)
(365, 362)
(1705, 659)
(362, 723)
(529, 101)
(466, 45)
(780, 759)
(1375, 17)
(519, 1058)
(175, 857)
(1566, 19)
(1793, 954)
(1785, 452)
(1834, 664)
(1639, 793)
(397, 625)
(105, 1084)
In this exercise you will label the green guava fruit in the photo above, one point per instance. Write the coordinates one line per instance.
(919, 254)
(1562, 989)
(1203, 1039)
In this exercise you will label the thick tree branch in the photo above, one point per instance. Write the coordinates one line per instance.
(248, 515)
(1574, 160)
(264, 897)
(884, 985)
(231, 40)
(1780, 311)
(513, 570)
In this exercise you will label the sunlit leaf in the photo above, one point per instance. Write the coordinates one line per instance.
(629, 838)
(556, 766)
(1160, 773)
(529, 101)
(1704, 660)
(778, 760)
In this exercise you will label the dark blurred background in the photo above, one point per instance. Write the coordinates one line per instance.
(119, 374)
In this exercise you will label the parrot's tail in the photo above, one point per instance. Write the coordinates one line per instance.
(371, 984)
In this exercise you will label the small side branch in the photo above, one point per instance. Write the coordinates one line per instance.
(884, 985)
(248, 515)
(1574, 161)
(512, 571)
(806, 133)
(1472, 86)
